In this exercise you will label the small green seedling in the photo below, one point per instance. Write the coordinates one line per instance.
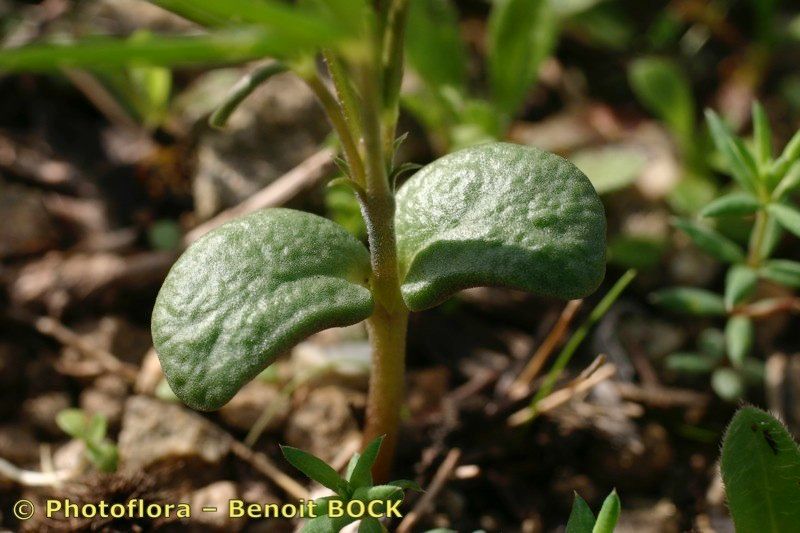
(355, 491)
(496, 214)
(91, 430)
(762, 198)
(760, 466)
(582, 520)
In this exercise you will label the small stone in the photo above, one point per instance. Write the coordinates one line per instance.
(70, 456)
(251, 402)
(107, 398)
(215, 496)
(322, 423)
(154, 432)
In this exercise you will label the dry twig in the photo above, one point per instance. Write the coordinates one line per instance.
(423, 505)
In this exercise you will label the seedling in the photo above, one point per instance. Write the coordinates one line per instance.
(91, 430)
(491, 215)
(355, 491)
(760, 466)
(582, 520)
(762, 196)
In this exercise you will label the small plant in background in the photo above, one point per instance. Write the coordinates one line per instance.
(762, 196)
(491, 215)
(582, 520)
(760, 466)
(91, 430)
(355, 491)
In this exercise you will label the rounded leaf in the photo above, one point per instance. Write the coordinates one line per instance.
(499, 214)
(249, 290)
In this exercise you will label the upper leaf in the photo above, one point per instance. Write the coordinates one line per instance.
(608, 515)
(522, 33)
(316, 469)
(361, 475)
(249, 290)
(499, 215)
(433, 43)
(581, 518)
(760, 468)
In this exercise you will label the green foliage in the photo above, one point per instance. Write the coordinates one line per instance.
(664, 89)
(91, 430)
(762, 201)
(582, 520)
(760, 466)
(522, 34)
(499, 215)
(355, 485)
(249, 290)
(434, 45)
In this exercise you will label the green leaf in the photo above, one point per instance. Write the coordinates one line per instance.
(690, 300)
(250, 290)
(96, 428)
(499, 215)
(740, 283)
(739, 338)
(383, 493)
(361, 475)
(285, 22)
(434, 45)
(762, 135)
(326, 524)
(104, 455)
(782, 271)
(406, 484)
(788, 182)
(316, 469)
(790, 154)
(733, 204)
(663, 87)
(581, 518)
(728, 384)
(73, 422)
(370, 525)
(740, 161)
(690, 363)
(244, 88)
(608, 515)
(711, 241)
(788, 216)
(760, 468)
(522, 33)
(610, 168)
(104, 53)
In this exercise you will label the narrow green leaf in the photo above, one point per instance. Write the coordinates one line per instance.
(711, 241)
(728, 384)
(690, 363)
(361, 475)
(244, 88)
(250, 290)
(788, 216)
(690, 300)
(739, 335)
(664, 89)
(581, 518)
(740, 162)
(434, 46)
(316, 469)
(760, 468)
(790, 155)
(733, 204)
(287, 22)
(96, 428)
(499, 214)
(522, 33)
(762, 133)
(105, 53)
(382, 493)
(740, 283)
(406, 484)
(782, 271)
(351, 465)
(608, 515)
(788, 182)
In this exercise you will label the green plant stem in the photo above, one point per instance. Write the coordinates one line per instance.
(757, 243)
(580, 334)
(388, 324)
(392, 61)
(334, 112)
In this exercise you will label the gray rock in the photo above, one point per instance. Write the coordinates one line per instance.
(216, 495)
(249, 404)
(154, 432)
(322, 423)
